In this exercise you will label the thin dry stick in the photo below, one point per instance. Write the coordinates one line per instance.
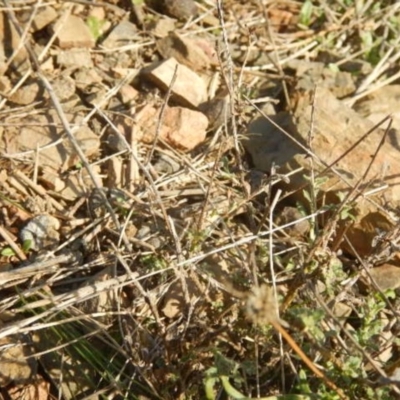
(179, 270)
(349, 336)
(210, 185)
(309, 152)
(7, 237)
(276, 59)
(142, 167)
(40, 267)
(65, 301)
(273, 276)
(57, 106)
(306, 360)
(329, 229)
(366, 266)
(161, 117)
(379, 85)
(153, 306)
(261, 308)
(38, 189)
(245, 240)
(229, 81)
(378, 70)
(313, 204)
(23, 34)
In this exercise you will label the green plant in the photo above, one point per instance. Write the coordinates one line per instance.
(9, 252)
(226, 370)
(95, 25)
(306, 12)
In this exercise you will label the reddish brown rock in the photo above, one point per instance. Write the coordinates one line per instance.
(188, 89)
(180, 127)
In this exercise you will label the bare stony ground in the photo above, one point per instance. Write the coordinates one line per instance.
(199, 199)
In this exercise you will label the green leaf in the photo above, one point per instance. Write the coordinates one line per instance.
(306, 13)
(95, 26)
(27, 245)
(230, 390)
(8, 252)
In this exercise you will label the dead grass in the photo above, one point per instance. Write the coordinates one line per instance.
(141, 292)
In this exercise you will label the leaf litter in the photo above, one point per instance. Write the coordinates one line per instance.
(176, 177)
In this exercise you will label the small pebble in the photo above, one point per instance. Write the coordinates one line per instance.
(180, 9)
(41, 231)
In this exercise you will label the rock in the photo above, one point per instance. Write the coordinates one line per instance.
(185, 51)
(161, 26)
(5, 84)
(85, 77)
(386, 276)
(123, 34)
(357, 67)
(181, 127)
(267, 144)
(188, 90)
(96, 94)
(217, 111)
(341, 310)
(166, 165)
(72, 186)
(17, 364)
(10, 42)
(26, 94)
(291, 215)
(381, 103)
(180, 9)
(75, 58)
(336, 127)
(74, 33)
(317, 74)
(173, 302)
(364, 232)
(64, 87)
(44, 16)
(282, 17)
(39, 132)
(128, 94)
(41, 231)
(124, 125)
